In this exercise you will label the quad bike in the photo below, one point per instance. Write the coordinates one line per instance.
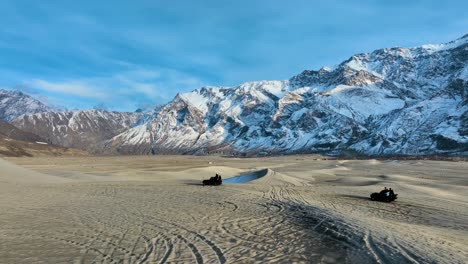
(383, 196)
(213, 181)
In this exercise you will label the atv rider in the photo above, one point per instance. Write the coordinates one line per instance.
(384, 191)
(392, 194)
(216, 180)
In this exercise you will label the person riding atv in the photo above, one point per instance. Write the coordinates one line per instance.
(386, 195)
(216, 180)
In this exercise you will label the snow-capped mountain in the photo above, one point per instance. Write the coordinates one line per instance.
(393, 101)
(79, 129)
(17, 143)
(14, 104)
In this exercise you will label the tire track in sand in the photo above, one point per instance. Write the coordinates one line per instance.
(219, 253)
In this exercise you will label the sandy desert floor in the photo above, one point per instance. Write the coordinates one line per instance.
(152, 209)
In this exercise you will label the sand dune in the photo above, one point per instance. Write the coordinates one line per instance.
(290, 209)
(11, 173)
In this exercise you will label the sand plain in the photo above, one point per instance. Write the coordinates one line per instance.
(152, 209)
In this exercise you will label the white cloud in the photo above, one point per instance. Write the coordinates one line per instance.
(74, 87)
(134, 85)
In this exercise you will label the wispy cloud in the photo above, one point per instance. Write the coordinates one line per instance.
(74, 87)
(132, 87)
(126, 54)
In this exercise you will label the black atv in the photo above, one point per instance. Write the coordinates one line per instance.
(384, 196)
(213, 181)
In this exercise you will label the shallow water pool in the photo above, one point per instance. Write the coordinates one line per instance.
(243, 178)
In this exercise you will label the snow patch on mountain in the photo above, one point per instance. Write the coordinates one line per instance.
(79, 129)
(393, 101)
(14, 104)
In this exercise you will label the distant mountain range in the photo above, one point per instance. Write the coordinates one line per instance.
(78, 129)
(14, 104)
(16, 143)
(393, 101)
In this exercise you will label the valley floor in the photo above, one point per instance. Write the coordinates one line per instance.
(152, 209)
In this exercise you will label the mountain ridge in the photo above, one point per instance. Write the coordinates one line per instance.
(14, 104)
(77, 129)
(391, 101)
(332, 110)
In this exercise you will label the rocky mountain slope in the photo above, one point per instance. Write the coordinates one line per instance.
(78, 129)
(394, 101)
(9, 131)
(16, 143)
(13, 104)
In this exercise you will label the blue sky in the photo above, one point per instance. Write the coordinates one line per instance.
(122, 55)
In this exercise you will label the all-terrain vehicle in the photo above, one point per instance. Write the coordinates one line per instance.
(384, 196)
(216, 180)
